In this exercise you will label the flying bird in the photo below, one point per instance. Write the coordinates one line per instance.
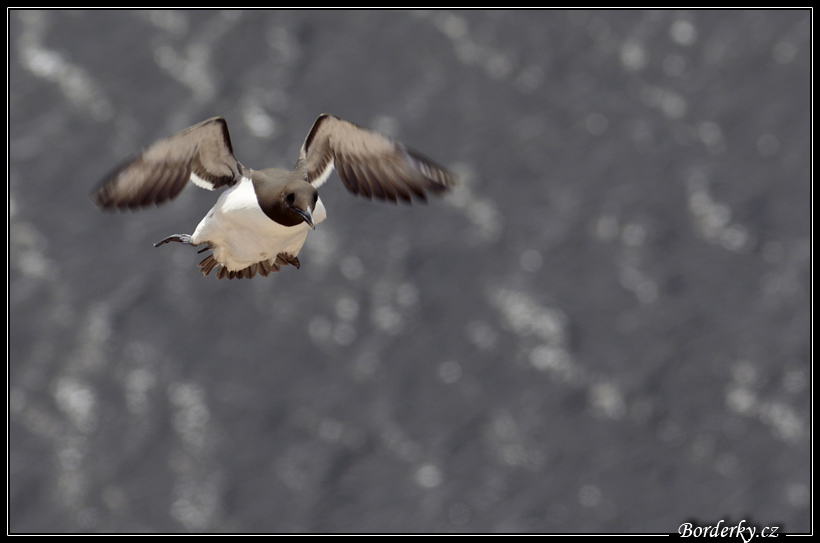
(260, 222)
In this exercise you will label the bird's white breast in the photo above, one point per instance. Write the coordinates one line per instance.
(240, 234)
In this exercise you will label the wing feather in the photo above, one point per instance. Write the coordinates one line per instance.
(370, 164)
(202, 153)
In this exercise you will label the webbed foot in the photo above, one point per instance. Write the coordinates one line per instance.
(185, 239)
(287, 258)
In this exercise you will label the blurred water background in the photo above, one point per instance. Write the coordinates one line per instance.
(606, 328)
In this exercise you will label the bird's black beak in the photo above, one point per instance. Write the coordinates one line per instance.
(307, 216)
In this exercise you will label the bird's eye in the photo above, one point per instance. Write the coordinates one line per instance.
(290, 197)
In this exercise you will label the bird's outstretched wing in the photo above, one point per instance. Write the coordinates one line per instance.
(370, 164)
(202, 154)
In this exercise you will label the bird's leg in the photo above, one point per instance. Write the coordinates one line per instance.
(288, 258)
(185, 239)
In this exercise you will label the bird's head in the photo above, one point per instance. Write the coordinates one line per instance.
(298, 202)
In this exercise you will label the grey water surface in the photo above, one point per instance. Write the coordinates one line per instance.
(605, 328)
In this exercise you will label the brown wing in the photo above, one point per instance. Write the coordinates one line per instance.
(369, 163)
(202, 154)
